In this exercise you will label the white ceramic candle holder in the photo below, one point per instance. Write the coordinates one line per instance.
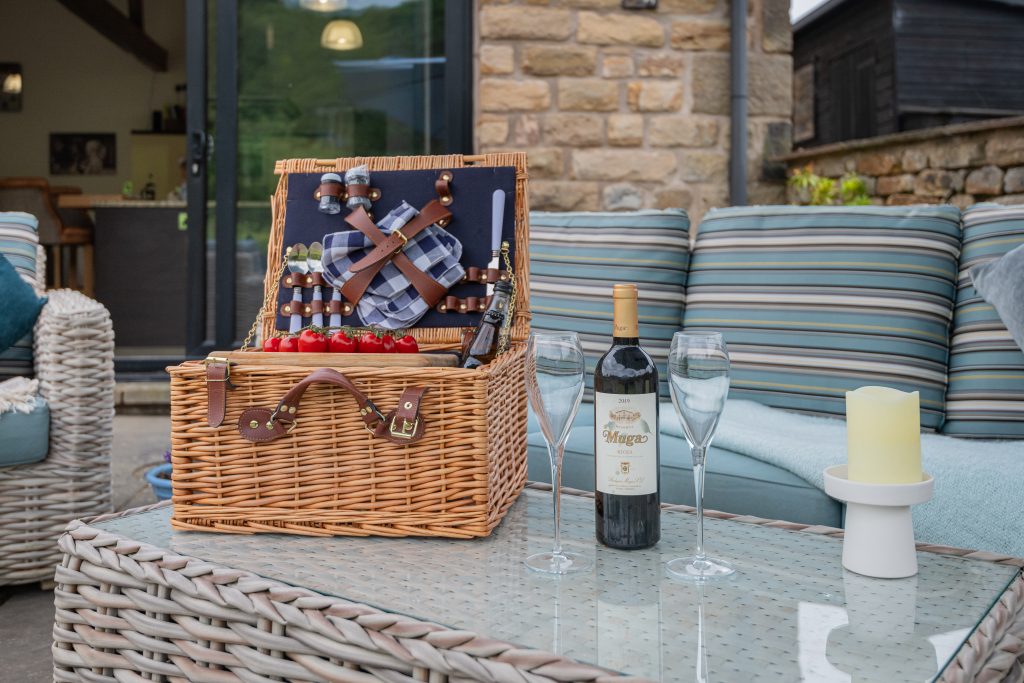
(879, 538)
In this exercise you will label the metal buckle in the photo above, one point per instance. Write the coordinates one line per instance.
(408, 429)
(212, 360)
(366, 410)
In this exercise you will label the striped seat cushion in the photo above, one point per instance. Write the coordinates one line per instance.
(816, 301)
(19, 243)
(986, 368)
(575, 258)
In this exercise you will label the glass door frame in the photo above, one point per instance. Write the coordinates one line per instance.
(458, 89)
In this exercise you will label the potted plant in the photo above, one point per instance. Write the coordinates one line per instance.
(159, 478)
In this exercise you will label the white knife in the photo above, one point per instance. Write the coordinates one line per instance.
(497, 223)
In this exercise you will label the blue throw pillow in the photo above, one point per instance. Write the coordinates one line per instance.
(21, 306)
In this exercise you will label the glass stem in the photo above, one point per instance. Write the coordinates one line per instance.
(555, 454)
(698, 490)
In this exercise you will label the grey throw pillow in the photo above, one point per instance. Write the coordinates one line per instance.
(1001, 283)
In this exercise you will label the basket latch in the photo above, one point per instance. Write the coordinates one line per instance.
(218, 381)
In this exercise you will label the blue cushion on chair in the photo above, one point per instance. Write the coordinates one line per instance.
(21, 306)
(19, 243)
(25, 437)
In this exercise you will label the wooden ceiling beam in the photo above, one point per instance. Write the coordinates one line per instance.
(121, 30)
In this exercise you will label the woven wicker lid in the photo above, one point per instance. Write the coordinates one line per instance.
(429, 336)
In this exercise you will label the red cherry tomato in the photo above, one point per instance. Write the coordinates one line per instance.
(388, 342)
(342, 343)
(407, 344)
(370, 343)
(288, 345)
(311, 341)
(272, 344)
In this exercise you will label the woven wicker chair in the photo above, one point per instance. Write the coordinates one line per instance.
(74, 363)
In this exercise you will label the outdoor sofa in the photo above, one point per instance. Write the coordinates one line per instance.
(813, 302)
(54, 460)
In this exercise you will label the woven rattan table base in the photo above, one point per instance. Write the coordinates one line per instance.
(129, 611)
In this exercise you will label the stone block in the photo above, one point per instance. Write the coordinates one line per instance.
(545, 162)
(895, 184)
(771, 85)
(682, 131)
(985, 180)
(687, 6)
(655, 95)
(526, 131)
(699, 34)
(663, 64)
(776, 29)
(505, 94)
(587, 94)
(517, 22)
(710, 83)
(1009, 199)
(491, 130)
(559, 60)
(962, 201)
(673, 198)
(955, 153)
(877, 163)
(573, 130)
(626, 130)
(831, 166)
(624, 165)
(617, 66)
(496, 59)
(903, 199)
(1013, 181)
(619, 29)
(622, 197)
(700, 166)
(914, 160)
(935, 182)
(564, 195)
(593, 4)
(1006, 147)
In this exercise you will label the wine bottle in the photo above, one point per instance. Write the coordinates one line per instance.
(483, 345)
(628, 465)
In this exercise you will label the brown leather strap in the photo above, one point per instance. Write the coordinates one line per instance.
(428, 287)
(484, 275)
(263, 424)
(306, 280)
(358, 190)
(331, 189)
(471, 304)
(218, 381)
(443, 188)
(305, 310)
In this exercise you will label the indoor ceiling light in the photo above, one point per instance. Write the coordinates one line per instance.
(12, 82)
(323, 5)
(341, 34)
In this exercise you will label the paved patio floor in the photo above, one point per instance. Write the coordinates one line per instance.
(26, 612)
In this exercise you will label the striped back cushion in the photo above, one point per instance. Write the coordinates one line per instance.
(816, 301)
(986, 368)
(19, 244)
(575, 258)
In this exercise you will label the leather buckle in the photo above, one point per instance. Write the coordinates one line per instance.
(408, 429)
(366, 410)
(214, 360)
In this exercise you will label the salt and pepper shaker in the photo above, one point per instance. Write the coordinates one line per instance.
(330, 204)
(360, 175)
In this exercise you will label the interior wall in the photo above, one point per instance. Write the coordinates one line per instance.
(78, 81)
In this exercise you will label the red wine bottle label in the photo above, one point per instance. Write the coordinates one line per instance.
(627, 443)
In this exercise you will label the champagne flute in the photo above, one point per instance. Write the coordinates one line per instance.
(698, 364)
(554, 384)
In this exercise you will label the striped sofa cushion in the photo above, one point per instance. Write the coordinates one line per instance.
(19, 244)
(816, 301)
(575, 258)
(986, 368)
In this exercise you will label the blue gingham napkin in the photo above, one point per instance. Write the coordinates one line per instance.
(391, 302)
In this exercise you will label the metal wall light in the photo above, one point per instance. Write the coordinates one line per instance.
(341, 34)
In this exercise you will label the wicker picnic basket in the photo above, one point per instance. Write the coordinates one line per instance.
(329, 474)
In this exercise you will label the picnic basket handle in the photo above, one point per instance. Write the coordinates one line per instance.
(402, 425)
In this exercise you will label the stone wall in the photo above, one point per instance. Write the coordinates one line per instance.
(960, 164)
(623, 109)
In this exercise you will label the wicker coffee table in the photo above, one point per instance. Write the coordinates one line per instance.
(136, 601)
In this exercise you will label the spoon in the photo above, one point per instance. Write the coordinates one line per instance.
(315, 262)
(297, 265)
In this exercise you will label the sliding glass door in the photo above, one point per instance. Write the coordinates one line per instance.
(305, 78)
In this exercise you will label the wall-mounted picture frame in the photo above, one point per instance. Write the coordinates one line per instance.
(83, 153)
(11, 82)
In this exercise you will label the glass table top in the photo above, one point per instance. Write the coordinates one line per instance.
(791, 612)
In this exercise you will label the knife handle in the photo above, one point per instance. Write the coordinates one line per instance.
(335, 317)
(318, 318)
(497, 219)
(295, 322)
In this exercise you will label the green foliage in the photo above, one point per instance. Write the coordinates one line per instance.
(816, 190)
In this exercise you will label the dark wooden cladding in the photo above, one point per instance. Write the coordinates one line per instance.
(885, 66)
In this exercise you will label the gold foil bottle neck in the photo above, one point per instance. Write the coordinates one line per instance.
(625, 321)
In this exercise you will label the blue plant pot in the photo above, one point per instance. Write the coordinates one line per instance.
(161, 487)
